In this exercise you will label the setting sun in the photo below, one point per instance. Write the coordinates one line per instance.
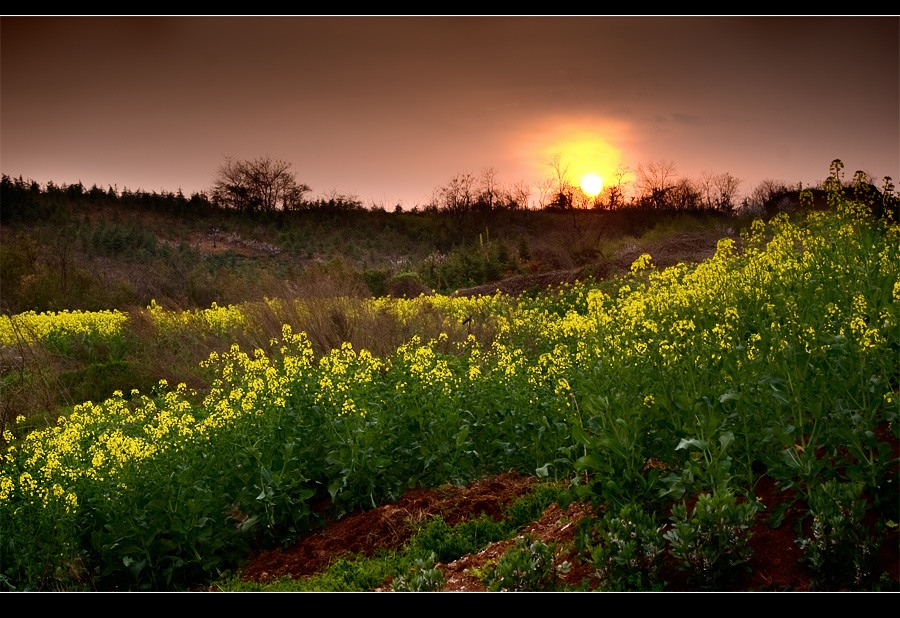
(591, 184)
(577, 152)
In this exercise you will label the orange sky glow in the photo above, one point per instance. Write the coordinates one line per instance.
(388, 109)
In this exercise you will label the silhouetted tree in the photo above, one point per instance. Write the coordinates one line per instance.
(544, 189)
(764, 197)
(683, 195)
(335, 203)
(726, 191)
(519, 195)
(613, 194)
(655, 180)
(565, 193)
(263, 184)
(717, 191)
(490, 189)
(458, 195)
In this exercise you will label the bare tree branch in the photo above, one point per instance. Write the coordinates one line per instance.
(263, 184)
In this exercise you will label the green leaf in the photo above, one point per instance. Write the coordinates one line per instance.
(579, 435)
(778, 514)
(335, 486)
(701, 444)
(267, 476)
(587, 462)
(729, 396)
(725, 439)
(461, 436)
(248, 523)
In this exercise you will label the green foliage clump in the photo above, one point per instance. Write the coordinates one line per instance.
(448, 543)
(406, 284)
(376, 280)
(421, 577)
(712, 541)
(840, 547)
(626, 548)
(469, 265)
(413, 568)
(529, 566)
(530, 507)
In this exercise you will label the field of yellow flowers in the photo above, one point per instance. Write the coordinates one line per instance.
(779, 355)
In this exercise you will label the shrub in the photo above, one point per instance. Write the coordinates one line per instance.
(839, 547)
(626, 549)
(713, 540)
(529, 566)
(422, 577)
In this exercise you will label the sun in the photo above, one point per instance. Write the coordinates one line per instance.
(591, 184)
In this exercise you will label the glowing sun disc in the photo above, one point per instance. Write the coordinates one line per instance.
(591, 184)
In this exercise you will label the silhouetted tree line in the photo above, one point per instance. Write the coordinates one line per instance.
(25, 200)
(466, 193)
(268, 186)
(656, 188)
(333, 204)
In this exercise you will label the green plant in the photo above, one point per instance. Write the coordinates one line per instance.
(423, 576)
(530, 507)
(406, 285)
(839, 547)
(528, 566)
(616, 443)
(376, 280)
(711, 541)
(448, 543)
(469, 265)
(626, 548)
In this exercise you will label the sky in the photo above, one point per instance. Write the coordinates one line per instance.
(388, 109)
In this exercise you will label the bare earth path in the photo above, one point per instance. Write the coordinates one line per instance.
(775, 564)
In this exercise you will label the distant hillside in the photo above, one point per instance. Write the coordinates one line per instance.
(66, 248)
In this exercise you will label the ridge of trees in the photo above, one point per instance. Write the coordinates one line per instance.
(267, 186)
